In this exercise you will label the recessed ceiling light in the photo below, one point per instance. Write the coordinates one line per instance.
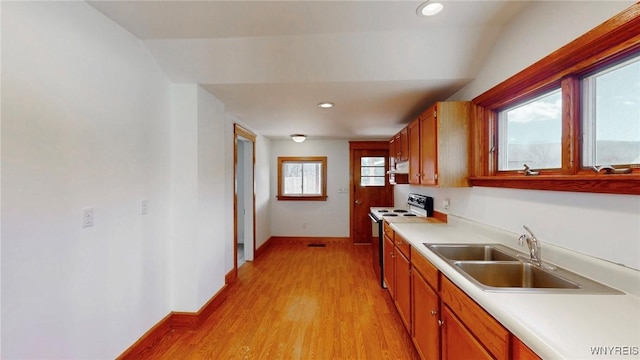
(326, 105)
(429, 8)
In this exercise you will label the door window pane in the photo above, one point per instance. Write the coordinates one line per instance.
(611, 116)
(531, 133)
(372, 171)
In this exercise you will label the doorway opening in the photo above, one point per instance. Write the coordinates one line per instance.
(244, 197)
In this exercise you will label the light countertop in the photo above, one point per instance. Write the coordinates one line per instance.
(552, 325)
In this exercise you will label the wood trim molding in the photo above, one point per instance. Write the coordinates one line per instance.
(240, 131)
(190, 320)
(263, 248)
(622, 31)
(440, 216)
(369, 145)
(231, 276)
(175, 320)
(607, 184)
(149, 339)
(309, 239)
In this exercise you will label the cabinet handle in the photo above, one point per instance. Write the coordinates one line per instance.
(398, 242)
(440, 322)
(434, 313)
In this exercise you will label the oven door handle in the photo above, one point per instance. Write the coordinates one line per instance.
(373, 219)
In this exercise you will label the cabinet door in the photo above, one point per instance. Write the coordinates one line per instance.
(429, 147)
(403, 289)
(389, 266)
(392, 153)
(404, 144)
(457, 341)
(414, 152)
(520, 351)
(426, 313)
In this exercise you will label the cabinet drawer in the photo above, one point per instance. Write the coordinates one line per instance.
(425, 268)
(483, 326)
(388, 230)
(404, 246)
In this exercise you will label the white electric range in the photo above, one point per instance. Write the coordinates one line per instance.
(418, 208)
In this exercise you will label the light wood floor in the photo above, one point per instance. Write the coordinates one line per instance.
(298, 302)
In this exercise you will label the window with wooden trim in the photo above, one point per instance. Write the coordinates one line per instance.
(302, 178)
(530, 133)
(611, 116)
(592, 88)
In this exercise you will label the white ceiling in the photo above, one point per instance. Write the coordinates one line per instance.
(272, 62)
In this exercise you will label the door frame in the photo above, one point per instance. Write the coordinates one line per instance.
(239, 131)
(362, 145)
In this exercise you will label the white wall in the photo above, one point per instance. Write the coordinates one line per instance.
(262, 177)
(600, 225)
(85, 123)
(199, 178)
(323, 218)
(213, 175)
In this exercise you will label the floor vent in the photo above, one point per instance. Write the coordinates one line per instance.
(316, 245)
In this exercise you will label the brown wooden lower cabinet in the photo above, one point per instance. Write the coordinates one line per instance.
(403, 288)
(426, 318)
(520, 351)
(389, 268)
(443, 321)
(397, 274)
(493, 336)
(457, 341)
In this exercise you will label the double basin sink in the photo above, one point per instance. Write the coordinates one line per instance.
(495, 267)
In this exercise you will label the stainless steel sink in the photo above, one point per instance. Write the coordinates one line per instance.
(473, 252)
(514, 275)
(495, 267)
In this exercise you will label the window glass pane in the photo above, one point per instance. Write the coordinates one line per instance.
(292, 173)
(531, 133)
(312, 178)
(611, 116)
(372, 181)
(372, 161)
(372, 171)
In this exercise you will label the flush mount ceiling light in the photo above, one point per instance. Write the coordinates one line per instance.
(429, 8)
(298, 137)
(326, 105)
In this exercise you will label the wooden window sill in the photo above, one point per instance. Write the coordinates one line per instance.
(608, 184)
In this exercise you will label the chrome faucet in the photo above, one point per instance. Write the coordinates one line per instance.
(532, 243)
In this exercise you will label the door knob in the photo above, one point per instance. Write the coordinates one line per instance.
(358, 202)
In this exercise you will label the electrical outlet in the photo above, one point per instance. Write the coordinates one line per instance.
(144, 207)
(446, 204)
(87, 217)
(304, 225)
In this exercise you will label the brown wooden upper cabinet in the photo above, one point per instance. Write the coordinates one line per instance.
(404, 145)
(439, 145)
(399, 147)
